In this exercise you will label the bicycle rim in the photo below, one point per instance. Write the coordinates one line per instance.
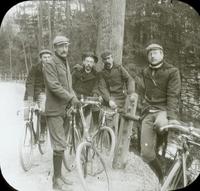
(73, 140)
(91, 168)
(26, 147)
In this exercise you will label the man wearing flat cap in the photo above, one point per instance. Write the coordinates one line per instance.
(60, 96)
(159, 86)
(35, 88)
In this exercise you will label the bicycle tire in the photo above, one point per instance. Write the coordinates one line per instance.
(26, 147)
(85, 164)
(105, 141)
(73, 139)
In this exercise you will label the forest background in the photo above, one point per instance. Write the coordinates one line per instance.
(31, 26)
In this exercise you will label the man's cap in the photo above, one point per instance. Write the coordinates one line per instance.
(153, 47)
(44, 51)
(60, 40)
(105, 54)
(90, 54)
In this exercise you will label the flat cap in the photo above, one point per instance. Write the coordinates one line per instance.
(153, 47)
(44, 51)
(90, 54)
(60, 40)
(105, 54)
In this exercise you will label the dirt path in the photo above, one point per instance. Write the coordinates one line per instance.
(136, 177)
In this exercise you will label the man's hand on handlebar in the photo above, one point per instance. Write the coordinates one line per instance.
(112, 104)
(75, 102)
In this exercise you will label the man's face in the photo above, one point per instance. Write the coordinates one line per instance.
(62, 49)
(155, 56)
(45, 58)
(88, 64)
(108, 62)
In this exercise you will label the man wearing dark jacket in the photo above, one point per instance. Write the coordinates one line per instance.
(35, 87)
(115, 82)
(84, 82)
(60, 96)
(160, 86)
(84, 78)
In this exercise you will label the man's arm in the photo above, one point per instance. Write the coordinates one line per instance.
(130, 83)
(53, 84)
(103, 89)
(173, 93)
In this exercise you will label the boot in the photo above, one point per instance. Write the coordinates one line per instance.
(58, 185)
(156, 168)
(58, 180)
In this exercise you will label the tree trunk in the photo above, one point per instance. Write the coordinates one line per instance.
(10, 55)
(30, 57)
(25, 56)
(40, 25)
(49, 25)
(111, 28)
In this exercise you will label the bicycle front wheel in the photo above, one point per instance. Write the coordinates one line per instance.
(91, 168)
(26, 147)
(73, 139)
(174, 177)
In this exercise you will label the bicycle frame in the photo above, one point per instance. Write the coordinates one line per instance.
(179, 165)
(36, 133)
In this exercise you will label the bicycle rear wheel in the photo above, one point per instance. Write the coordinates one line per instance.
(73, 139)
(26, 147)
(91, 168)
(105, 141)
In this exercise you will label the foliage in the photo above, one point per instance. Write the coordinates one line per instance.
(33, 25)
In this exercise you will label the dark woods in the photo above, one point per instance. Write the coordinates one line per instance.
(31, 26)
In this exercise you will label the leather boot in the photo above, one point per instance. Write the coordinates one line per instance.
(156, 167)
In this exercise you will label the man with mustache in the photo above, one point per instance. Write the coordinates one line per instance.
(115, 82)
(159, 85)
(85, 78)
(60, 96)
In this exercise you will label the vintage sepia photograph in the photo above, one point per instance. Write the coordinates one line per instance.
(100, 95)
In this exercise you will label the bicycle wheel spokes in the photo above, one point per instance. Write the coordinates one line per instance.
(73, 139)
(26, 147)
(91, 168)
(105, 142)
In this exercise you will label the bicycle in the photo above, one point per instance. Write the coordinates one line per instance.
(73, 137)
(89, 156)
(180, 170)
(31, 138)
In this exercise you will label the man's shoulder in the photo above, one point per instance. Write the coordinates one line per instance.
(170, 67)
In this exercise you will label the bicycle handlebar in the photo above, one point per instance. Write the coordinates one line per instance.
(185, 129)
(91, 101)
